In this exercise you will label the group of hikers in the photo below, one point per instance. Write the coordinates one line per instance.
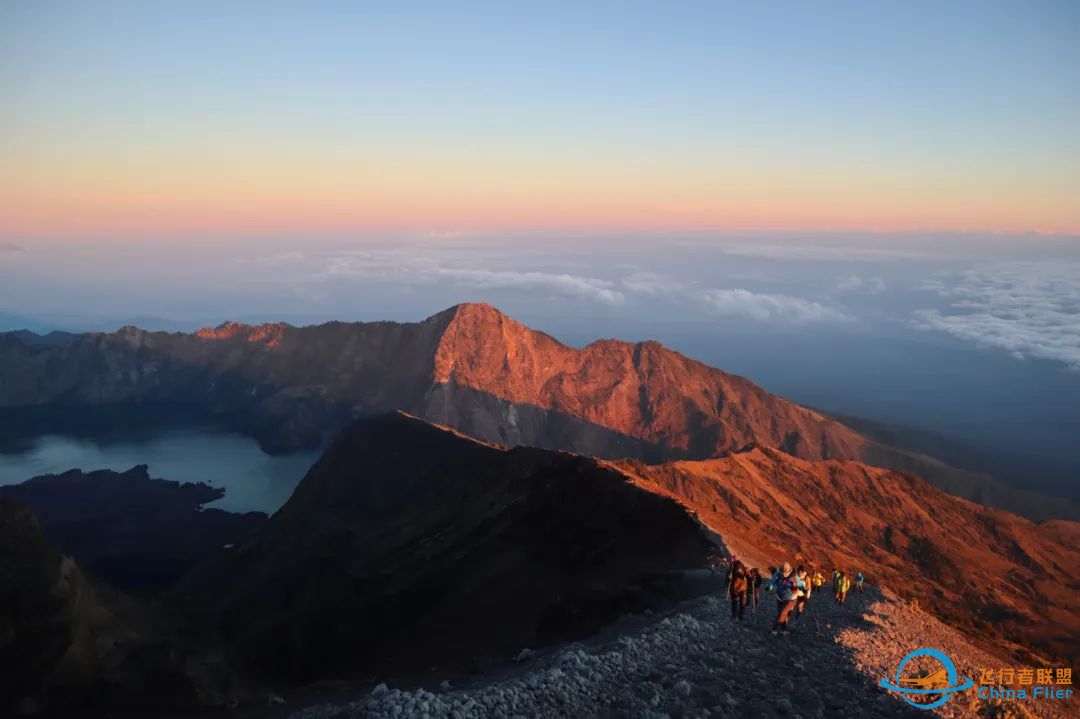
(793, 588)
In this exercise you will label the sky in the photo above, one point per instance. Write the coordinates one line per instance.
(136, 122)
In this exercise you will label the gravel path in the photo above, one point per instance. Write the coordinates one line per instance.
(694, 662)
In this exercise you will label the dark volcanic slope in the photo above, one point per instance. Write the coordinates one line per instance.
(133, 531)
(989, 573)
(68, 648)
(408, 546)
(469, 367)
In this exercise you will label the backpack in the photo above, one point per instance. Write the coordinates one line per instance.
(786, 588)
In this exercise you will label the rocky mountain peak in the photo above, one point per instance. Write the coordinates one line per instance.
(268, 334)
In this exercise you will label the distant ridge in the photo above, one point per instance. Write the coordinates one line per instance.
(469, 367)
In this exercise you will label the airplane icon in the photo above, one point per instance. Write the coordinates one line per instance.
(937, 680)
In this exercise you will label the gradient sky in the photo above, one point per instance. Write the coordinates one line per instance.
(150, 121)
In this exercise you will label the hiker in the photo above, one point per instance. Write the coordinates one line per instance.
(786, 585)
(818, 579)
(714, 561)
(859, 582)
(802, 596)
(841, 585)
(755, 588)
(738, 585)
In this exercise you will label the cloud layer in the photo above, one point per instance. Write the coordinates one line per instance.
(1029, 309)
(732, 302)
(475, 269)
(855, 283)
(561, 284)
(768, 307)
(824, 253)
(393, 266)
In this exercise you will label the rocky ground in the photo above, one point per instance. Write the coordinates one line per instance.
(696, 662)
(890, 628)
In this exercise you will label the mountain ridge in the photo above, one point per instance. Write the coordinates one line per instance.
(470, 367)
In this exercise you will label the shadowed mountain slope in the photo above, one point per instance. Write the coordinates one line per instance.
(408, 546)
(72, 647)
(135, 532)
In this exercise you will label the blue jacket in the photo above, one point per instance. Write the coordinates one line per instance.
(786, 587)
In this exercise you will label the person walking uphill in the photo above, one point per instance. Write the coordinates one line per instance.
(738, 586)
(756, 580)
(802, 597)
(786, 585)
(841, 585)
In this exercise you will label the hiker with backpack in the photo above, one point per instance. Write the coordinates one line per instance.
(802, 596)
(841, 585)
(786, 585)
(756, 581)
(714, 561)
(738, 586)
(859, 582)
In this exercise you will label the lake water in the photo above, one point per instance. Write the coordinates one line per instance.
(252, 479)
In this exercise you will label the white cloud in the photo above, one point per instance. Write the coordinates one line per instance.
(481, 270)
(768, 307)
(651, 284)
(560, 284)
(762, 307)
(855, 283)
(1029, 309)
(405, 268)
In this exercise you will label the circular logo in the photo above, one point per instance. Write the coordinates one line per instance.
(944, 681)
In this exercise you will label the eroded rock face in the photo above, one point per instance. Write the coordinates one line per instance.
(408, 546)
(644, 391)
